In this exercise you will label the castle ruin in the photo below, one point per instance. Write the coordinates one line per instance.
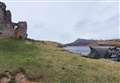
(9, 28)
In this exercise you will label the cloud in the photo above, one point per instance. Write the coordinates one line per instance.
(101, 22)
(64, 22)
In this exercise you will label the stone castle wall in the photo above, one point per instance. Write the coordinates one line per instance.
(8, 28)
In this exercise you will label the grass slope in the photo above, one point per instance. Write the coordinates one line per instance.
(47, 63)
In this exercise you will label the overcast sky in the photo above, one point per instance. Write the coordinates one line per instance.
(66, 20)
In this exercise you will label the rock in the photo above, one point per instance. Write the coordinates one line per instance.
(97, 52)
(20, 76)
(4, 78)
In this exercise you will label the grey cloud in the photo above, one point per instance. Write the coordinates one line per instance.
(66, 23)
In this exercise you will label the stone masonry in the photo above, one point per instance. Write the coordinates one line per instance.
(9, 28)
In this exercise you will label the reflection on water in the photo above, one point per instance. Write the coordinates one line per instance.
(85, 50)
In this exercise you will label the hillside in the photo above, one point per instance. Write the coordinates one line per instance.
(87, 42)
(82, 42)
(113, 42)
(45, 62)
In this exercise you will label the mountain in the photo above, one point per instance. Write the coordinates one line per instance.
(82, 42)
(88, 42)
(46, 62)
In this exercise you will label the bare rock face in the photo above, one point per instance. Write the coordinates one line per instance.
(8, 28)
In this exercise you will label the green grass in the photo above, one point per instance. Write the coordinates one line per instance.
(45, 62)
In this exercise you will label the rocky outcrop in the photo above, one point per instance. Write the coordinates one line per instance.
(98, 52)
(19, 76)
(9, 28)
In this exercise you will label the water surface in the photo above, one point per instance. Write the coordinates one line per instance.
(85, 50)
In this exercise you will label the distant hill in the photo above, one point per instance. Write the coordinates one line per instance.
(87, 42)
(112, 42)
(81, 42)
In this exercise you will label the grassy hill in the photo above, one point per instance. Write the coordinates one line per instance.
(45, 62)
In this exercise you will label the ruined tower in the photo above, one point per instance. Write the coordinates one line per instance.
(2, 15)
(20, 31)
(9, 28)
